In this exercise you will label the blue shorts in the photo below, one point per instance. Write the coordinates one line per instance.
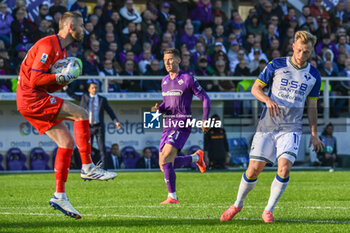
(176, 138)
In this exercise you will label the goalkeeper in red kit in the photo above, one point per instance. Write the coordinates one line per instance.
(46, 112)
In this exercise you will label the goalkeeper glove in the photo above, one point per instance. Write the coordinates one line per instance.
(65, 79)
(68, 74)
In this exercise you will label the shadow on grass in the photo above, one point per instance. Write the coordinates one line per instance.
(67, 223)
(88, 223)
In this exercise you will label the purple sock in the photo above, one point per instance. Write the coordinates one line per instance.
(169, 176)
(181, 161)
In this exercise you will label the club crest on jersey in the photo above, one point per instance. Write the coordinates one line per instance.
(43, 58)
(52, 100)
(307, 77)
(180, 82)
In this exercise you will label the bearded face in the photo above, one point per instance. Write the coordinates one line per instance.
(78, 30)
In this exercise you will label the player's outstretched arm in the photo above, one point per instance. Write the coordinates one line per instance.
(312, 116)
(203, 96)
(257, 91)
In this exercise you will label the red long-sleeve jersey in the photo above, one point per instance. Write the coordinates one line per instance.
(35, 80)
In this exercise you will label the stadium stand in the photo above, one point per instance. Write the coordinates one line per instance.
(155, 152)
(15, 160)
(238, 148)
(39, 159)
(54, 157)
(193, 149)
(130, 157)
(1, 158)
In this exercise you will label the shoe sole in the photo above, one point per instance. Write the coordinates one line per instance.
(169, 203)
(90, 179)
(267, 220)
(69, 214)
(229, 219)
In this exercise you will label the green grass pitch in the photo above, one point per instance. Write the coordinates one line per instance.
(315, 201)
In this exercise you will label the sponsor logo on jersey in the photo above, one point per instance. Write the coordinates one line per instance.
(43, 58)
(307, 77)
(52, 100)
(175, 92)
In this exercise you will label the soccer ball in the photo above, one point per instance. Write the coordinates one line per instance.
(70, 65)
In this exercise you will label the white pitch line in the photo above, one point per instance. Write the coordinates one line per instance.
(189, 218)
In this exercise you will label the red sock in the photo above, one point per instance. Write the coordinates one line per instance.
(82, 139)
(62, 163)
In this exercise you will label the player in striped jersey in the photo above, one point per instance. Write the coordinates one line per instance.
(292, 81)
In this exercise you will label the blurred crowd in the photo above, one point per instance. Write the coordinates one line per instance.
(120, 40)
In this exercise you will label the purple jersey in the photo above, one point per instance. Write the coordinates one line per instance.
(177, 97)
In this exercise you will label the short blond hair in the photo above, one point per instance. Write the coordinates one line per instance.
(68, 16)
(174, 52)
(305, 37)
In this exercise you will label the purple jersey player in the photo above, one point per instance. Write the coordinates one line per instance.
(177, 90)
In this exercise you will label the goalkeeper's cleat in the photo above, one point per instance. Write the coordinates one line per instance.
(97, 173)
(230, 213)
(170, 200)
(267, 216)
(63, 205)
(201, 164)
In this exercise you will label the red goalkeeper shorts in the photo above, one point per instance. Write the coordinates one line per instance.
(44, 115)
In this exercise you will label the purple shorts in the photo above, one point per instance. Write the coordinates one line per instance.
(176, 138)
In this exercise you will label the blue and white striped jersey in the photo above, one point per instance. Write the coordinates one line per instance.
(289, 88)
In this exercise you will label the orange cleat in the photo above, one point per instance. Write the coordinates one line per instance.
(201, 164)
(230, 213)
(170, 200)
(267, 216)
